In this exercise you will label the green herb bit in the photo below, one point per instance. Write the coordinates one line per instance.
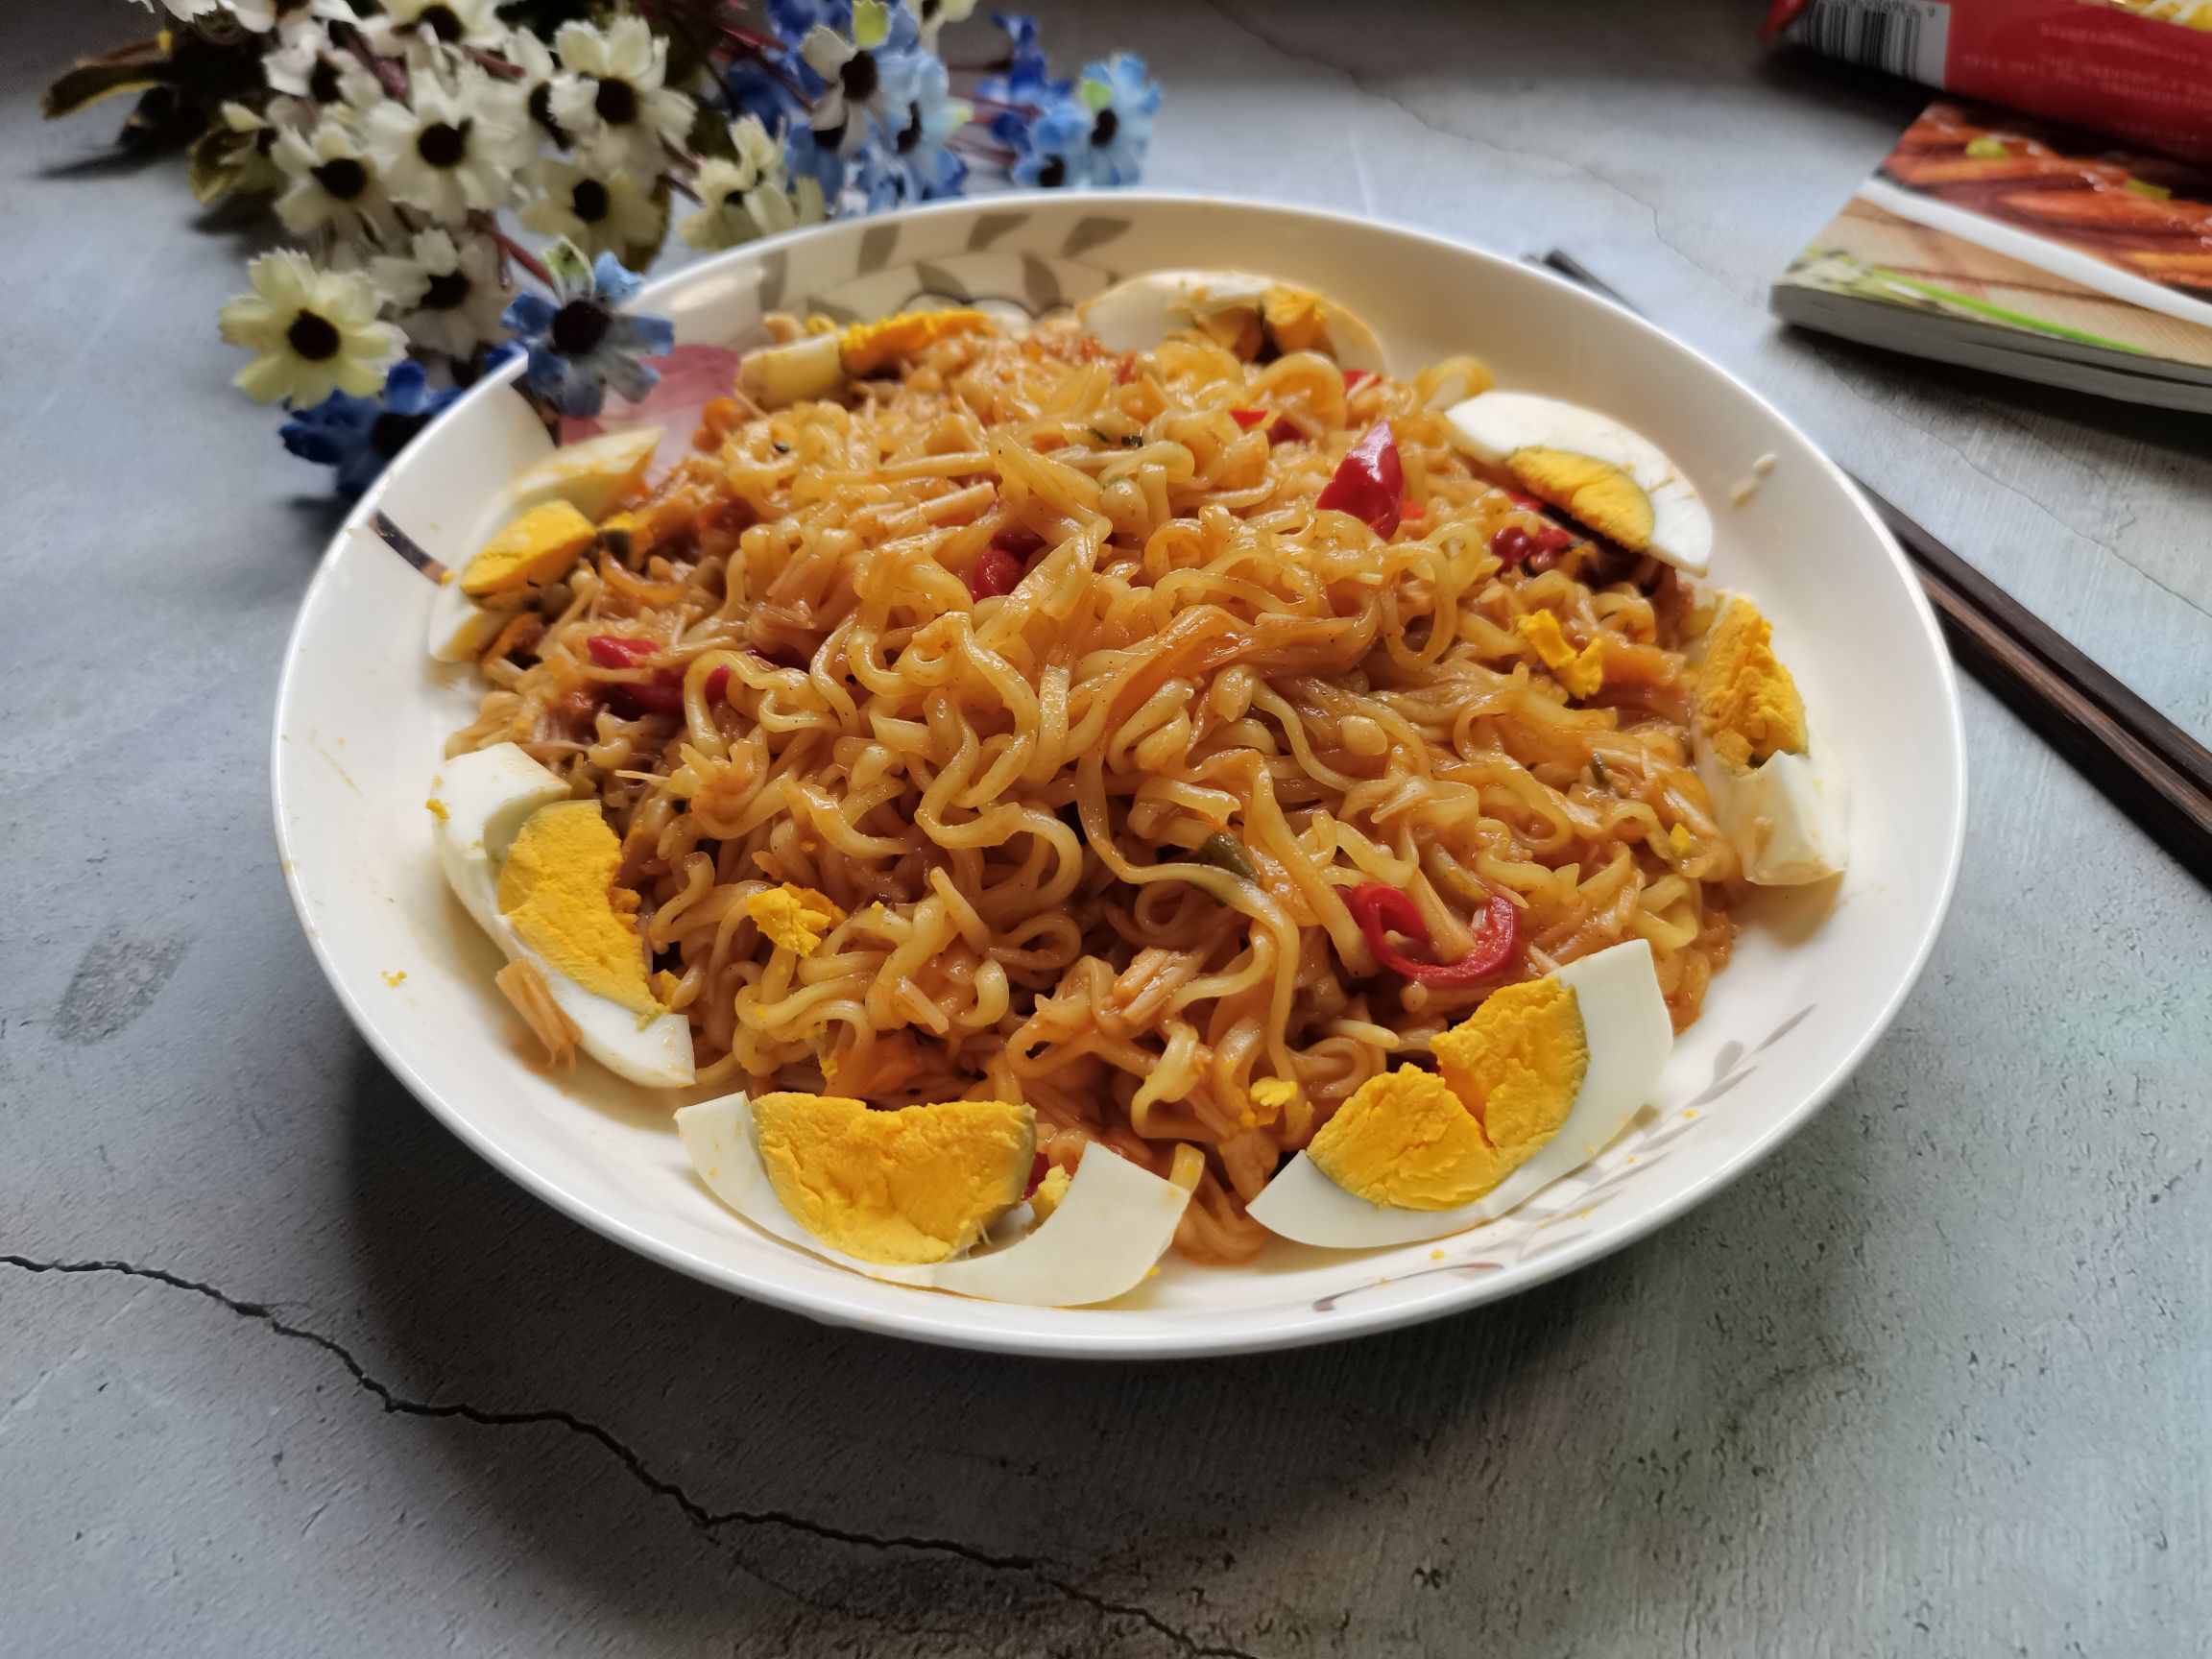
(1226, 852)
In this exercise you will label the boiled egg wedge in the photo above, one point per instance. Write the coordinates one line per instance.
(885, 1187)
(1777, 793)
(593, 476)
(1529, 1087)
(819, 365)
(1234, 309)
(1591, 468)
(551, 510)
(536, 870)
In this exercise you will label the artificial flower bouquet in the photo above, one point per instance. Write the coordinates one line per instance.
(465, 180)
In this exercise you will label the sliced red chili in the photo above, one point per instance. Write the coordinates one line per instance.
(1370, 483)
(1247, 417)
(1284, 431)
(1038, 1167)
(621, 650)
(1355, 378)
(1382, 911)
(1413, 510)
(717, 682)
(996, 574)
(1514, 545)
(1018, 539)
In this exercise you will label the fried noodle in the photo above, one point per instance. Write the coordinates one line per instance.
(1005, 795)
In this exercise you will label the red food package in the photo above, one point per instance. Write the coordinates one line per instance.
(2139, 69)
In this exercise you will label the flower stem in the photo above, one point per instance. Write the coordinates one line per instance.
(747, 48)
(981, 102)
(497, 64)
(751, 38)
(390, 74)
(522, 257)
(997, 153)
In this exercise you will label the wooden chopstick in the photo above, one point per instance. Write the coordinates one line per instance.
(2144, 763)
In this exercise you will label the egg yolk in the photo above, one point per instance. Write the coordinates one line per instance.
(867, 347)
(556, 890)
(537, 547)
(1506, 1077)
(1748, 703)
(794, 918)
(1596, 493)
(1049, 1192)
(1295, 319)
(908, 1187)
(1582, 672)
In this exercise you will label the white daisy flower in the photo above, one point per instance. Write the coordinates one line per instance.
(534, 59)
(312, 332)
(598, 209)
(932, 16)
(448, 297)
(307, 65)
(612, 97)
(251, 150)
(263, 15)
(450, 22)
(732, 216)
(456, 150)
(330, 182)
(866, 79)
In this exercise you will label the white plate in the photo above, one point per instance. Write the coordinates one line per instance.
(361, 723)
(2044, 253)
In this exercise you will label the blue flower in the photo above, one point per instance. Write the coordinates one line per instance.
(1028, 79)
(807, 157)
(932, 116)
(878, 179)
(579, 343)
(1053, 149)
(1121, 99)
(751, 86)
(358, 436)
(871, 77)
(792, 18)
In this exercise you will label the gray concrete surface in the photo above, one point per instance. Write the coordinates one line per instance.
(284, 1370)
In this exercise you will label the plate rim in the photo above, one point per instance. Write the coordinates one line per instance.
(948, 1321)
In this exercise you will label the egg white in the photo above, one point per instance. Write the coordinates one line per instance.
(460, 628)
(1113, 1223)
(1138, 314)
(1785, 816)
(1492, 426)
(592, 475)
(488, 795)
(1626, 1023)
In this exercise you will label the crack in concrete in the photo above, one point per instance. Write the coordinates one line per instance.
(709, 1522)
(1540, 157)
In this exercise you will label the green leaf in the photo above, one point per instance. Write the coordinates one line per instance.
(710, 134)
(2156, 192)
(213, 167)
(566, 261)
(91, 81)
(1224, 852)
(1096, 94)
(1987, 149)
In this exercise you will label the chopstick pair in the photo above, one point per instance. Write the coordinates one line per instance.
(2144, 763)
